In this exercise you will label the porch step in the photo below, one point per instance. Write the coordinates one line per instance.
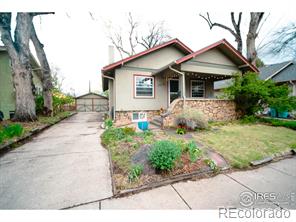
(156, 121)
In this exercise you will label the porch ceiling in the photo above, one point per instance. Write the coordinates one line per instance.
(167, 73)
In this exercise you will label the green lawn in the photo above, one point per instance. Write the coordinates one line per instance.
(240, 144)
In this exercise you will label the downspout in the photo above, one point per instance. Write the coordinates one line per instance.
(294, 88)
(183, 83)
(114, 91)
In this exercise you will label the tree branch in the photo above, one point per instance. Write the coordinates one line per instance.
(236, 32)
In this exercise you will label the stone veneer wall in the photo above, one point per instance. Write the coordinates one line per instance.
(214, 109)
(125, 117)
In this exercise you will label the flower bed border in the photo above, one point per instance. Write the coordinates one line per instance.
(5, 148)
(170, 180)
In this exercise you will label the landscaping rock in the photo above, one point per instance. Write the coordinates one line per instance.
(262, 161)
(141, 157)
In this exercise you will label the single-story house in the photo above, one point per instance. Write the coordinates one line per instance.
(91, 102)
(7, 92)
(280, 73)
(169, 76)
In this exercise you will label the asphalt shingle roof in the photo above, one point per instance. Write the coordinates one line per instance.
(287, 74)
(269, 70)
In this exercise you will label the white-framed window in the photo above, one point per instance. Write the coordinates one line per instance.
(197, 88)
(139, 116)
(144, 86)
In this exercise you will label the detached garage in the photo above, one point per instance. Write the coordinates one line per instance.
(92, 102)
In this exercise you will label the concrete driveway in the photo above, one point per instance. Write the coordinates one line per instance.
(63, 166)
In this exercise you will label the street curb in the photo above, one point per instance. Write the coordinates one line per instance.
(5, 148)
(274, 157)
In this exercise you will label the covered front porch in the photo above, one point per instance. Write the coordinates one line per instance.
(189, 84)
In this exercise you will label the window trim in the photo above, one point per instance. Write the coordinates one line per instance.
(204, 88)
(135, 88)
(138, 120)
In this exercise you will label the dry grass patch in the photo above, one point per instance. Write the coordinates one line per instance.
(240, 144)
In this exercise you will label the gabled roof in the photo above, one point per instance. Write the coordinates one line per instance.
(226, 46)
(91, 93)
(176, 42)
(270, 71)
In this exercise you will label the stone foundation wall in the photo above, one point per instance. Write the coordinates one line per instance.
(125, 117)
(213, 109)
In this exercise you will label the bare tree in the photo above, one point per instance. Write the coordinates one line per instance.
(284, 41)
(255, 20)
(19, 52)
(117, 39)
(156, 35)
(236, 32)
(45, 69)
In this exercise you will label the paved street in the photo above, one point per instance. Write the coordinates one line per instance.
(63, 166)
(66, 167)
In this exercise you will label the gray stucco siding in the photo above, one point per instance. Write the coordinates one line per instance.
(212, 62)
(157, 59)
(125, 95)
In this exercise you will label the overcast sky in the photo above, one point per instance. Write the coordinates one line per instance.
(77, 43)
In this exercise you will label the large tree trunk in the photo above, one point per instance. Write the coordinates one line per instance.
(25, 101)
(46, 74)
(255, 20)
(20, 59)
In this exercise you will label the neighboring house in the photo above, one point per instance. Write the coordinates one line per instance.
(7, 94)
(91, 102)
(280, 73)
(163, 77)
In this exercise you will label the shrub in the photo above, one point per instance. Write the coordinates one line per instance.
(59, 99)
(135, 172)
(192, 119)
(112, 135)
(194, 151)
(276, 122)
(1, 137)
(13, 130)
(252, 94)
(249, 92)
(181, 130)
(248, 119)
(164, 154)
(108, 123)
(129, 131)
(211, 164)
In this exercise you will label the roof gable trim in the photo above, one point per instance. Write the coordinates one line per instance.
(205, 49)
(128, 59)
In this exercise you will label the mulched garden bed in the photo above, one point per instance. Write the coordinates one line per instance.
(133, 150)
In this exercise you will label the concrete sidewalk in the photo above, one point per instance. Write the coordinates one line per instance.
(223, 190)
(63, 166)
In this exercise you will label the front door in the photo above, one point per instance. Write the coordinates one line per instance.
(173, 89)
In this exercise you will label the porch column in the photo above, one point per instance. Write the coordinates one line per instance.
(182, 81)
(182, 88)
